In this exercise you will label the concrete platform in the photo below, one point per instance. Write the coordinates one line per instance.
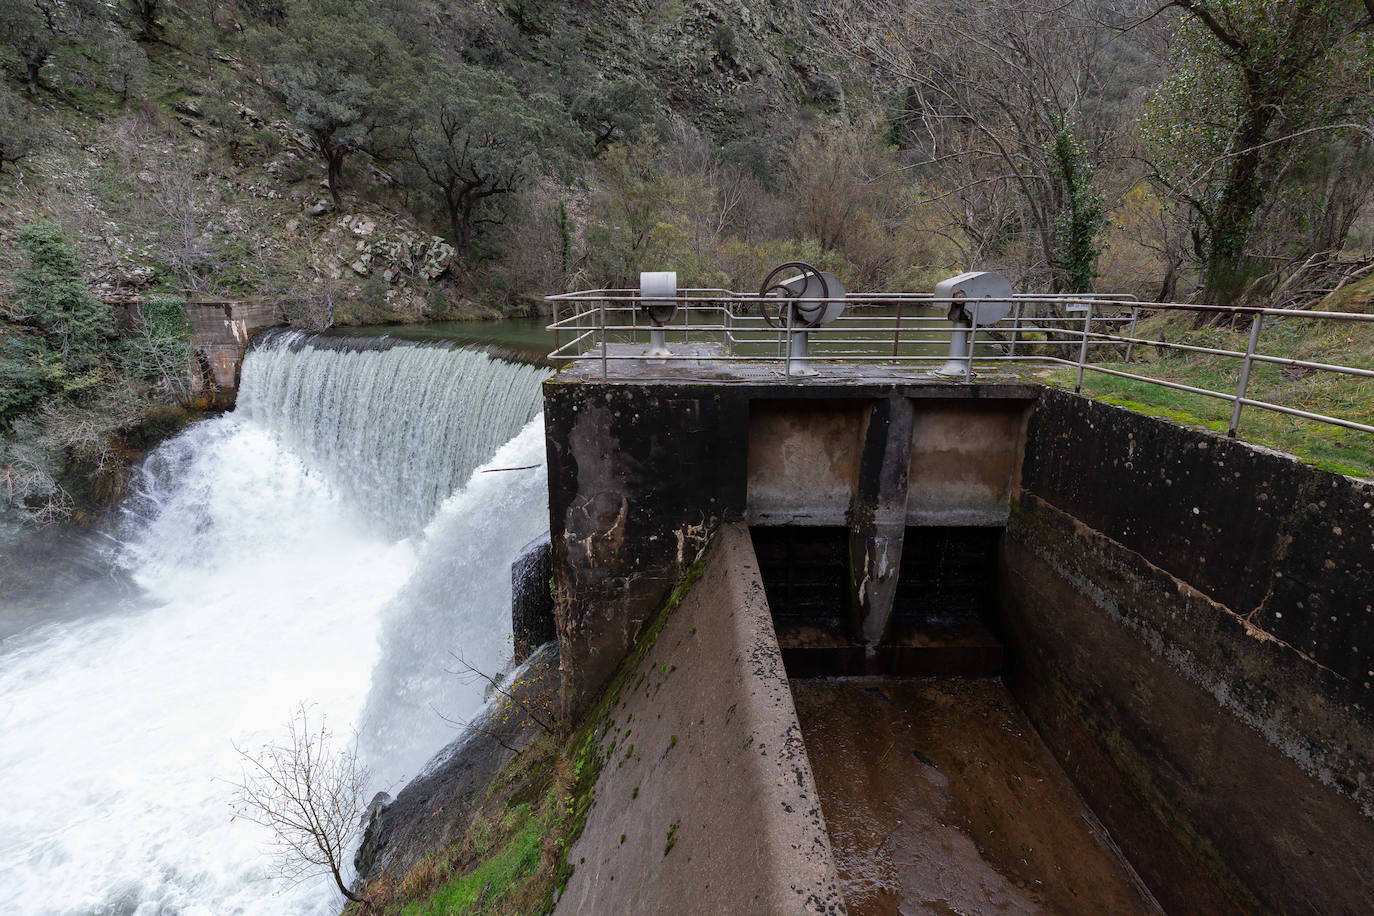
(707, 363)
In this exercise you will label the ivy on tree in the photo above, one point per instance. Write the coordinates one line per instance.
(1253, 86)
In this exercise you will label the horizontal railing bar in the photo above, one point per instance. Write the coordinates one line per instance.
(1306, 414)
(749, 298)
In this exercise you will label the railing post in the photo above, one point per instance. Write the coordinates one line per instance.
(556, 345)
(1015, 329)
(972, 342)
(1130, 332)
(605, 370)
(897, 330)
(1245, 373)
(1083, 348)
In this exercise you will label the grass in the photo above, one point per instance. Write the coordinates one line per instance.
(500, 878)
(506, 861)
(1332, 448)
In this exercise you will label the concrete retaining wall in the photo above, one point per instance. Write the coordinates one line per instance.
(220, 332)
(1192, 633)
(705, 802)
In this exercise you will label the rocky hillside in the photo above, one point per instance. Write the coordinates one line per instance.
(202, 180)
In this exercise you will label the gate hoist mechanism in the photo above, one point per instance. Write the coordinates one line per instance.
(989, 296)
(806, 300)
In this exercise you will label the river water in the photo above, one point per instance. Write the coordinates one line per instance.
(330, 542)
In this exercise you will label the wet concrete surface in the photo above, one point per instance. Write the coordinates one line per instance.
(940, 798)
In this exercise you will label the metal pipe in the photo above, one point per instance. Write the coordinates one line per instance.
(1083, 349)
(1130, 332)
(1245, 374)
(605, 370)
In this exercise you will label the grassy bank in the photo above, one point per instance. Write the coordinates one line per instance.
(1333, 448)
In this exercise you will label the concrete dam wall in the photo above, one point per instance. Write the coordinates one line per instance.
(1182, 620)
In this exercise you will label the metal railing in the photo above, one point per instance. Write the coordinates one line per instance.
(905, 331)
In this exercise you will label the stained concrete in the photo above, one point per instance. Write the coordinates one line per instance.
(642, 469)
(705, 802)
(803, 460)
(638, 480)
(220, 332)
(1142, 575)
(965, 462)
(940, 798)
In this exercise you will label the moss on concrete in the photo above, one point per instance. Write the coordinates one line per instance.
(514, 856)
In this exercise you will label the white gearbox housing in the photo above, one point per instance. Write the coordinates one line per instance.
(993, 288)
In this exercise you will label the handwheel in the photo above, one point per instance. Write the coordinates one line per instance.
(772, 285)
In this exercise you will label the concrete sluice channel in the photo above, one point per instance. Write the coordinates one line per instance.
(939, 797)
(938, 794)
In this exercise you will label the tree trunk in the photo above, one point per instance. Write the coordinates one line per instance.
(334, 157)
(1240, 198)
(1169, 288)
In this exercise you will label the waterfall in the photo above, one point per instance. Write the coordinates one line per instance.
(396, 426)
(330, 542)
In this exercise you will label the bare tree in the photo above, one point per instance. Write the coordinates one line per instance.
(310, 794)
(989, 90)
(512, 692)
(184, 203)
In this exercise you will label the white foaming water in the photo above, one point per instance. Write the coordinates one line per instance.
(271, 580)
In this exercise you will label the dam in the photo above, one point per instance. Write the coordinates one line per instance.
(949, 642)
(869, 627)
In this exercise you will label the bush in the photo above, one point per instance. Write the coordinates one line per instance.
(53, 296)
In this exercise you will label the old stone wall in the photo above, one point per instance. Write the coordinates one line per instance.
(1191, 627)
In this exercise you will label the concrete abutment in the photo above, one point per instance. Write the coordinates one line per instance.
(1184, 619)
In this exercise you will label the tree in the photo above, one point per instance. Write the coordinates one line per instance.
(1255, 87)
(159, 350)
(18, 139)
(309, 794)
(614, 110)
(479, 140)
(30, 27)
(147, 15)
(52, 295)
(1081, 214)
(988, 91)
(337, 70)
